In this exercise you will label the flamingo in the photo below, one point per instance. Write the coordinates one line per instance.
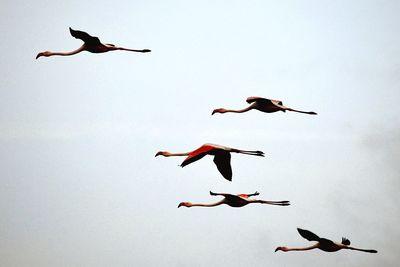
(262, 104)
(323, 244)
(235, 201)
(91, 44)
(222, 157)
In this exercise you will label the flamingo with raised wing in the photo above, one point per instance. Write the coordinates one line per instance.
(262, 104)
(222, 157)
(323, 244)
(91, 44)
(235, 201)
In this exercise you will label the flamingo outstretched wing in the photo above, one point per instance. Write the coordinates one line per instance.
(85, 37)
(197, 154)
(265, 101)
(310, 236)
(223, 162)
(345, 241)
(252, 99)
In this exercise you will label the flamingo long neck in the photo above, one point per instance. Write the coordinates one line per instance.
(302, 249)
(363, 250)
(168, 154)
(80, 49)
(239, 110)
(209, 205)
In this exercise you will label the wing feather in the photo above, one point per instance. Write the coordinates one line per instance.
(264, 101)
(310, 236)
(192, 158)
(223, 162)
(85, 37)
(252, 99)
(197, 154)
(345, 241)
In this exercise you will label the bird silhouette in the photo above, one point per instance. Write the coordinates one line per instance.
(222, 157)
(262, 104)
(91, 44)
(323, 244)
(235, 201)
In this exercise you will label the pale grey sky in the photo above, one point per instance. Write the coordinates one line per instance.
(79, 182)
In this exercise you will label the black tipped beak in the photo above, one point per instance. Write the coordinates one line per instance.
(276, 249)
(146, 50)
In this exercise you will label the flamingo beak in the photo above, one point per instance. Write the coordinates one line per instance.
(217, 110)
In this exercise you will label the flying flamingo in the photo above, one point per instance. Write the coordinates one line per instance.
(262, 104)
(222, 157)
(235, 201)
(323, 244)
(91, 44)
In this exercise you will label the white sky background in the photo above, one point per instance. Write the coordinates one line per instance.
(79, 182)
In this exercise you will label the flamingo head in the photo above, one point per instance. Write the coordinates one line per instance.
(43, 54)
(281, 248)
(163, 153)
(185, 204)
(218, 110)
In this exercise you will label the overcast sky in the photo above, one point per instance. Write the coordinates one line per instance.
(79, 184)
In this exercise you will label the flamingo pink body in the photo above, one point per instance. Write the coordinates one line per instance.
(323, 244)
(235, 201)
(91, 44)
(222, 156)
(262, 104)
